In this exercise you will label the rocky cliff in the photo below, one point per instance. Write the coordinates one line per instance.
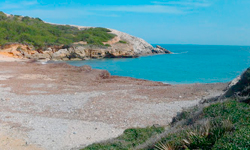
(121, 45)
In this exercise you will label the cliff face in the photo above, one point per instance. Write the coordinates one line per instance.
(139, 46)
(239, 87)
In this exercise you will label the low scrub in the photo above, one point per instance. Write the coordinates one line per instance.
(39, 34)
(129, 140)
(222, 125)
(124, 42)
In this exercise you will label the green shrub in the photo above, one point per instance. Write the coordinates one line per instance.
(2, 16)
(124, 42)
(128, 140)
(35, 32)
(108, 45)
(228, 129)
(240, 139)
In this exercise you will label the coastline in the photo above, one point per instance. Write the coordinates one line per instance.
(84, 105)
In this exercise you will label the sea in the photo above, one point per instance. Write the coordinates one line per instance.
(187, 65)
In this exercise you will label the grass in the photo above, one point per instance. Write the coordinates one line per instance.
(220, 126)
(223, 125)
(128, 140)
(35, 32)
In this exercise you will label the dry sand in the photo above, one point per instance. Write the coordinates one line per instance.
(6, 58)
(59, 107)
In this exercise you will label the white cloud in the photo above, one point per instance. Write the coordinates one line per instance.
(142, 9)
(8, 6)
(17, 5)
(55, 13)
(28, 3)
(33, 8)
(168, 7)
(188, 3)
(60, 13)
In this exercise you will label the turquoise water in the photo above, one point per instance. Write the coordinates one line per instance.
(189, 64)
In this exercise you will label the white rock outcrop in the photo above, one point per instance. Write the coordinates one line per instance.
(141, 47)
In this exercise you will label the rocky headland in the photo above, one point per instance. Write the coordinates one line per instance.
(31, 38)
(122, 46)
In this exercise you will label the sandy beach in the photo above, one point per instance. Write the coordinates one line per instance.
(61, 107)
(4, 58)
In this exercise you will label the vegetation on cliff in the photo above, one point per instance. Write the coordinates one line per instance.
(218, 124)
(34, 31)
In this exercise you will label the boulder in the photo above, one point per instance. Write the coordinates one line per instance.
(61, 54)
(239, 86)
(80, 50)
(160, 49)
(104, 74)
(39, 56)
(139, 46)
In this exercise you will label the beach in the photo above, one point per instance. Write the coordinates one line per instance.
(59, 106)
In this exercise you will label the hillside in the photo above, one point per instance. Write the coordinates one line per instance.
(34, 31)
(218, 123)
(26, 37)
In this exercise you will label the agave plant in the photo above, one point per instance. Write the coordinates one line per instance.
(162, 146)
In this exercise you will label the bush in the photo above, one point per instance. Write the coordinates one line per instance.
(228, 128)
(124, 42)
(223, 125)
(129, 140)
(35, 32)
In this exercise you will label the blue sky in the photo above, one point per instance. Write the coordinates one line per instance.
(210, 22)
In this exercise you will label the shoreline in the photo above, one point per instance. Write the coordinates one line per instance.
(59, 106)
(11, 59)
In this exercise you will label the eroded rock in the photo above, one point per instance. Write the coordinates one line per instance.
(121, 46)
(161, 50)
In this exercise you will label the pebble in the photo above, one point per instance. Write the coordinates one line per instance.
(156, 125)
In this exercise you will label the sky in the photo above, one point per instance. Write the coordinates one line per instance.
(204, 22)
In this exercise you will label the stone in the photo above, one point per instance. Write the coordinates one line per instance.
(49, 49)
(139, 46)
(39, 56)
(104, 74)
(80, 50)
(160, 49)
(156, 126)
(62, 53)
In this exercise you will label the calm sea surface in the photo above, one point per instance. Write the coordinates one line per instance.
(188, 64)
